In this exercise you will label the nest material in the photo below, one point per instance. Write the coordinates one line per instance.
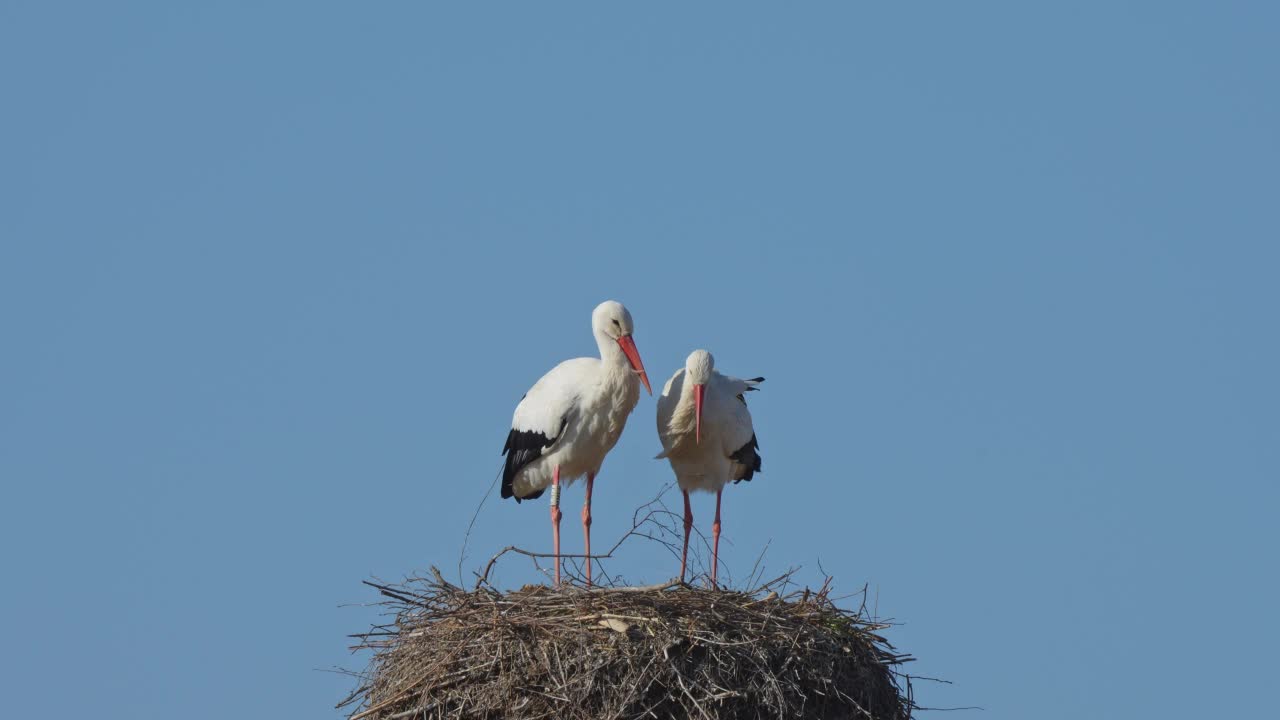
(658, 652)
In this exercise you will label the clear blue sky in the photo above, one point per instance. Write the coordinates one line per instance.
(273, 278)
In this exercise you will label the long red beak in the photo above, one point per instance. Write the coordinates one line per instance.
(698, 391)
(629, 348)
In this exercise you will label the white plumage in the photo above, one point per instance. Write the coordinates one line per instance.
(709, 440)
(580, 408)
(573, 416)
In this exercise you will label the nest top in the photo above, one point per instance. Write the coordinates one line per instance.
(660, 651)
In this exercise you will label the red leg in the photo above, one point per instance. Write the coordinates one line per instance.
(555, 518)
(715, 534)
(586, 522)
(688, 525)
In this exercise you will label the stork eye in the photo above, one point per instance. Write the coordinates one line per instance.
(617, 324)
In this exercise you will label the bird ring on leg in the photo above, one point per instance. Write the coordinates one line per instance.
(555, 495)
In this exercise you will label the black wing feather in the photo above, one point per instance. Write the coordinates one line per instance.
(748, 456)
(522, 448)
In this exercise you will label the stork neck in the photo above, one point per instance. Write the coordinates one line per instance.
(614, 359)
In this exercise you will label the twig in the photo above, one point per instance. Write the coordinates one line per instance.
(637, 522)
(466, 538)
(656, 587)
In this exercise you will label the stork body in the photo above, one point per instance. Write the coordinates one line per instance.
(707, 437)
(572, 417)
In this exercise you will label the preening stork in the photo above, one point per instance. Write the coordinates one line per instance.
(572, 417)
(707, 436)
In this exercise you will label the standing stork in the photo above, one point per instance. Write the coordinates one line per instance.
(707, 437)
(572, 417)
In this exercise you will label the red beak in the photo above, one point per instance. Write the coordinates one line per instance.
(698, 391)
(629, 349)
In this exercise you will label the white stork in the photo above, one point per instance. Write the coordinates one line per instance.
(707, 437)
(572, 417)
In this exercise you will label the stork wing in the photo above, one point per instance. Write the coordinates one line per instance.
(738, 386)
(541, 418)
(739, 434)
(667, 403)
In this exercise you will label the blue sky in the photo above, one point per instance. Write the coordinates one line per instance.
(272, 280)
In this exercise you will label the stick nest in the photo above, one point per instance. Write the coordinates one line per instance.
(669, 651)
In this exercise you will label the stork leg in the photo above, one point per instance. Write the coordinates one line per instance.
(555, 518)
(586, 522)
(715, 546)
(688, 525)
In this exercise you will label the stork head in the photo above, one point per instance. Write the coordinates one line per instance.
(611, 320)
(697, 370)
